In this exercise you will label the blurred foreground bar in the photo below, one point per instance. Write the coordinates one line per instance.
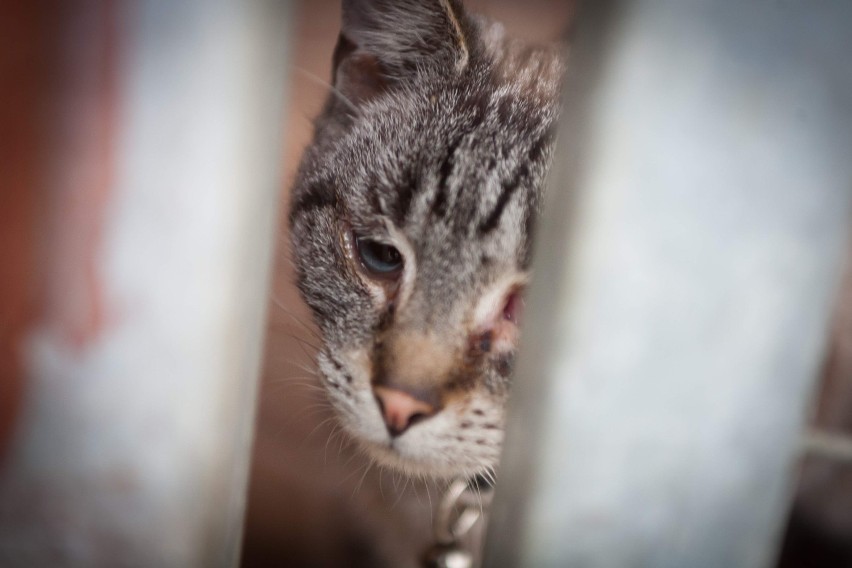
(686, 269)
(130, 446)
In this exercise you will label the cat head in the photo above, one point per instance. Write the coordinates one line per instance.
(411, 221)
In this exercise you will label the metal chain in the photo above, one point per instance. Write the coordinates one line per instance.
(458, 512)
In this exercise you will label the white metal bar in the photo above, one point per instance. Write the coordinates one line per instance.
(687, 262)
(133, 447)
(829, 446)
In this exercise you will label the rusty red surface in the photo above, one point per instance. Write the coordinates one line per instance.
(24, 61)
(83, 159)
(58, 101)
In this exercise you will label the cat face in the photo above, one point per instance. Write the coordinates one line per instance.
(410, 226)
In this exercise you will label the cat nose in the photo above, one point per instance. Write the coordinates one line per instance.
(401, 409)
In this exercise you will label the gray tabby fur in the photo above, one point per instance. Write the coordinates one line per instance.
(437, 140)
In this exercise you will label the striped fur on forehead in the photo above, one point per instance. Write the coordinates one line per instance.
(461, 158)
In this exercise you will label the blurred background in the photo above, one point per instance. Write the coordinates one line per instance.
(312, 499)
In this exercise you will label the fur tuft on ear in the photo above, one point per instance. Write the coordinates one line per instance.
(384, 41)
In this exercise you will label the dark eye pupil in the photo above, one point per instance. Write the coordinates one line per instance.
(377, 257)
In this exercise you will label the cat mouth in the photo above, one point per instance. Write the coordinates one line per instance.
(399, 430)
(392, 455)
(410, 457)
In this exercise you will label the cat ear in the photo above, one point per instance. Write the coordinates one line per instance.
(385, 41)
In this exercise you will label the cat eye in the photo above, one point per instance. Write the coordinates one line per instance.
(379, 259)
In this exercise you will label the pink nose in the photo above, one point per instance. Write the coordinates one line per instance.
(400, 409)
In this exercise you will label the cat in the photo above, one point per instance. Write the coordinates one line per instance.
(411, 226)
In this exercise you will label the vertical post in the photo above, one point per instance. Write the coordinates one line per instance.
(132, 444)
(678, 317)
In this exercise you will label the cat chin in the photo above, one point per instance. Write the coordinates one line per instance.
(386, 456)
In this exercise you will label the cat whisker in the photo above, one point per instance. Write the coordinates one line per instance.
(285, 239)
(311, 372)
(301, 340)
(346, 464)
(342, 439)
(316, 428)
(429, 496)
(309, 118)
(337, 92)
(363, 477)
(309, 395)
(355, 472)
(381, 488)
(400, 493)
(312, 413)
(297, 380)
(280, 305)
(303, 387)
(478, 491)
(311, 357)
(331, 436)
(323, 405)
(310, 391)
(416, 493)
(491, 475)
(305, 343)
(301, 343)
